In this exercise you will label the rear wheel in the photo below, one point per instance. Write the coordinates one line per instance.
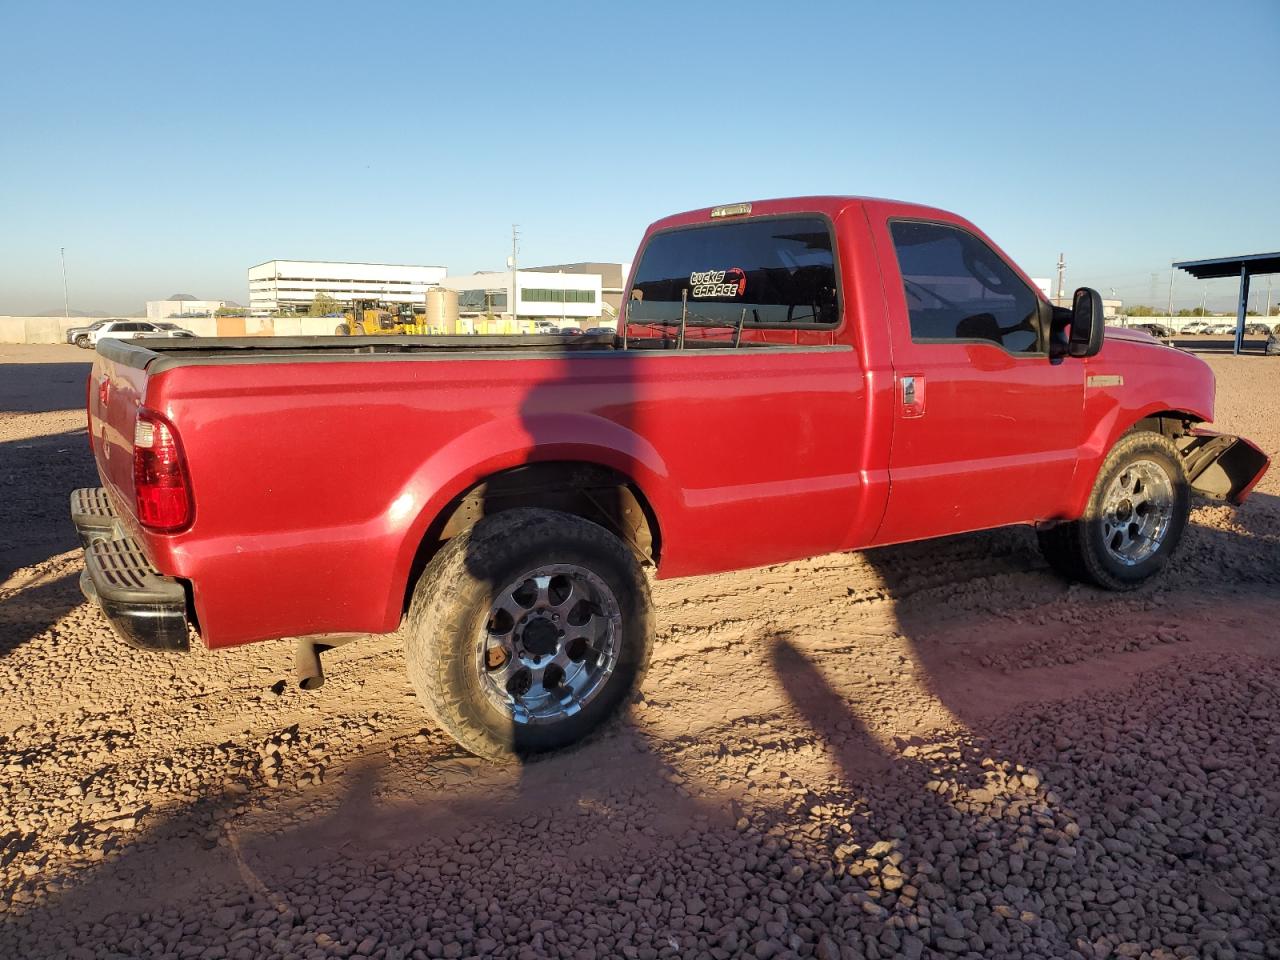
(1134, 519)
(82, 342)
(528, 631)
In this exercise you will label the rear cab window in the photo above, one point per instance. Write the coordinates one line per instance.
(775, 272)
(960, 290)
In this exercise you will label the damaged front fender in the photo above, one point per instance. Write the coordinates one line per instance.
(1221, 466)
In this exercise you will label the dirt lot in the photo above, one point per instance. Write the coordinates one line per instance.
(940, 749)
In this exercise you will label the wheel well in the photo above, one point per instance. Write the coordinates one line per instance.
(1167, 423)
(599, 494)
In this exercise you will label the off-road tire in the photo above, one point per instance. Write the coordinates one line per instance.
(451, 604)
(1076, 550)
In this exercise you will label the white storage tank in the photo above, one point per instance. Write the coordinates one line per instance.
(442, 310)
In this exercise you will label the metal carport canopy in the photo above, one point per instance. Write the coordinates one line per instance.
(1251, 265)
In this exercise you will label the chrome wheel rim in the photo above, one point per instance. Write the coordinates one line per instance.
(549, 643)
(1136, 511)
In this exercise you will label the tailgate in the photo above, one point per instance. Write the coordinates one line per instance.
(116, 391)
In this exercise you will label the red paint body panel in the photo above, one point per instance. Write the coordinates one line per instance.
(314, 482)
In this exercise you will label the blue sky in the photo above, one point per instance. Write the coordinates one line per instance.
(168, 147)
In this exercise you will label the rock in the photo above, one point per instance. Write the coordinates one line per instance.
(1216, 897)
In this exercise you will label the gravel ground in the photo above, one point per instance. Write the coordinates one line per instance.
(933, 750)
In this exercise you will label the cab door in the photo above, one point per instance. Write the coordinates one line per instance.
(986, 426)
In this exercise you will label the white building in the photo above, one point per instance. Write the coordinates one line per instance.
(293, 284)
(541, 296)
(182, 305)
(613, 277)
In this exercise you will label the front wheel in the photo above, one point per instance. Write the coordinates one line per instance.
(1134, 518)
(528, 631)
(82, 342)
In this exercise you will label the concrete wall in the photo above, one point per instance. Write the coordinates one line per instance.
(39, 329)
(53, 329)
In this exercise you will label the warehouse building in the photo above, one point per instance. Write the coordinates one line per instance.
(542, 296)
(613, 277)
(292, 285)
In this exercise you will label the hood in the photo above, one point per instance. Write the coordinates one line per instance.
(1130, 334)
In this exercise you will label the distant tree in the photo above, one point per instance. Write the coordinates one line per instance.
(1142, 310)
(231, 312)
(322, 304)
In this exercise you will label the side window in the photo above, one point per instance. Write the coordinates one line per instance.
(771, 272)
(958, 288)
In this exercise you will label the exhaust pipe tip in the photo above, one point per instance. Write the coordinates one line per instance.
(306, 665)
(307, 670)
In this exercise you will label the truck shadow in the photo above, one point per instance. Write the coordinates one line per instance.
(32, 608)
(43, 387)
(266, 864)
(1009, 728)
(37, 475)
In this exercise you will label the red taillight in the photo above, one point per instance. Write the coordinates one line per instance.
(160, 485)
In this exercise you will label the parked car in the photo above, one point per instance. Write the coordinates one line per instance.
(601, 332)
(1195, 326)
(1158, 330)
(1219, 327)
(857, 372)
(129, 330)
(570, 331)
(74, 334)
(170, 330)
(116, 329)
(1256, 330)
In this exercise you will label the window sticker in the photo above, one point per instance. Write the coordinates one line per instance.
(718, 284)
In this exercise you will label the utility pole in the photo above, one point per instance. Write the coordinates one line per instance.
(1204, 298)
(1267, 312)
(1062, 289)
(515, 236)
(1172, 274)
(66, 299)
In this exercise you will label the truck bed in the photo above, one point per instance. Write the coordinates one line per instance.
(156, 354)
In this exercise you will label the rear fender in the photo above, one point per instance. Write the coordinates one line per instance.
(1221, 466)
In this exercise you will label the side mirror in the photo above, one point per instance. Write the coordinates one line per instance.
(1086, 323)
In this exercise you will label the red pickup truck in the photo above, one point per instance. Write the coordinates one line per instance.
(790, 377)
